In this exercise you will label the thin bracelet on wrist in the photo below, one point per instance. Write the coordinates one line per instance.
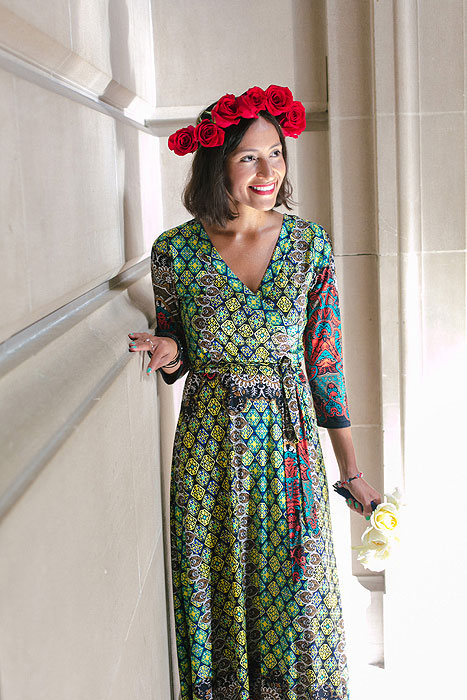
(351, 478)
(173, 362)
(177, 357)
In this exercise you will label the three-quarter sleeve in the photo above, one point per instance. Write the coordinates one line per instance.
(168, 321)
(322, 342)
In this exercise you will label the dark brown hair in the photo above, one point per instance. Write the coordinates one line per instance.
(206, 195)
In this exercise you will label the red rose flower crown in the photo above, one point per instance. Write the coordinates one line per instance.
(229, 109)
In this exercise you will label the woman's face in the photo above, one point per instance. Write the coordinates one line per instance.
(256, 169)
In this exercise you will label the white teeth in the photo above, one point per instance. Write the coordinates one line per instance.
(265, 188)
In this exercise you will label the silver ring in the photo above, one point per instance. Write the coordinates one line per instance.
(151, 344)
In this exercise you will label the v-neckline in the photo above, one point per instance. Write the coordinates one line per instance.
(231, 273)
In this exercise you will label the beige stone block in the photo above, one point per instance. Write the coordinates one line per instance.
(140, 187)
(443, 181)
(368, 448)
(145, 460)
(392, 449)
(174, 174)
(38, 394)
(441, 55)
(383, 43)
(386, 184)
(91, 27)
(357, 278)
(21, 39)
(350, 58)
(14, 285)
(309, 44)
(313, 178)
(72, 216)
(52, 18)
(55, 377)
(85, 76)
(117, 39)
(408, 182)
(390, 323)
(223, 53)
(69, 571)
(353, 186)
(131, 46)
(143, 669)
(444, 287)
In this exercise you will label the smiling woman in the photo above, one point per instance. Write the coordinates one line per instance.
(206, 195)
(256, 168)
(246, 296)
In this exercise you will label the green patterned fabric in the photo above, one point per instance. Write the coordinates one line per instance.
(256, 596)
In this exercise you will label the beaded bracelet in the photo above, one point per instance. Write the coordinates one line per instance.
(351, 478)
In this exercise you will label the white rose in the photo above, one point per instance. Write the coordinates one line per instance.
(376, 549)
(385, 518)
(370, 561)
(395, 497)
(376, 539)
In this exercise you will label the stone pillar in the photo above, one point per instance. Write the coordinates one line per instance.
(420, 126)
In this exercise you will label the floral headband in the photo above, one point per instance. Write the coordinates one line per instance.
(276, 100)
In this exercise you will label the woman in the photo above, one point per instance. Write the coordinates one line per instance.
(245, 300)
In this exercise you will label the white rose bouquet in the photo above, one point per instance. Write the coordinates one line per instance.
(381, 536)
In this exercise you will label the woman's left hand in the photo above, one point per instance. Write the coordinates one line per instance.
(364, 493)
(163, 349)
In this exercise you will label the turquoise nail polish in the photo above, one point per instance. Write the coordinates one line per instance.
(349, 501)
(149, 370)
(367, 517)
(356, 505)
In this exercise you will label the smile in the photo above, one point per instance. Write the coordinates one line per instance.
(264, 189)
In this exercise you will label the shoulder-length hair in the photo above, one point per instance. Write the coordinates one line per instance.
(206, 196)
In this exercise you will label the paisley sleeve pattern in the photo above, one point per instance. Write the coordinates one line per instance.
(322, 342)
(168, 321)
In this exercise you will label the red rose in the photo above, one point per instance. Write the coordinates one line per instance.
(294, 121)
(278, 99)
(183, 141)
(209, 134)
(251, 102)
(225, 113)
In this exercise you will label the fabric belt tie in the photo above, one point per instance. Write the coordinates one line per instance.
(288, 369)
(290, 413)
(301, 502)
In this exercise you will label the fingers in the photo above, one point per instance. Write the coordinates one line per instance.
(142, 342)
(160, 348)
(354, 505)
(160, 357)
(364, 498)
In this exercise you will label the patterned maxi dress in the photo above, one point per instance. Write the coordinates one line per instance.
(256, 595)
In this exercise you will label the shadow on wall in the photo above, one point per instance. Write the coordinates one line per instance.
(129, 170)
(127, 139)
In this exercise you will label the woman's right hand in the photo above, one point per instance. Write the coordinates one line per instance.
(364, 494)
(163, 349)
